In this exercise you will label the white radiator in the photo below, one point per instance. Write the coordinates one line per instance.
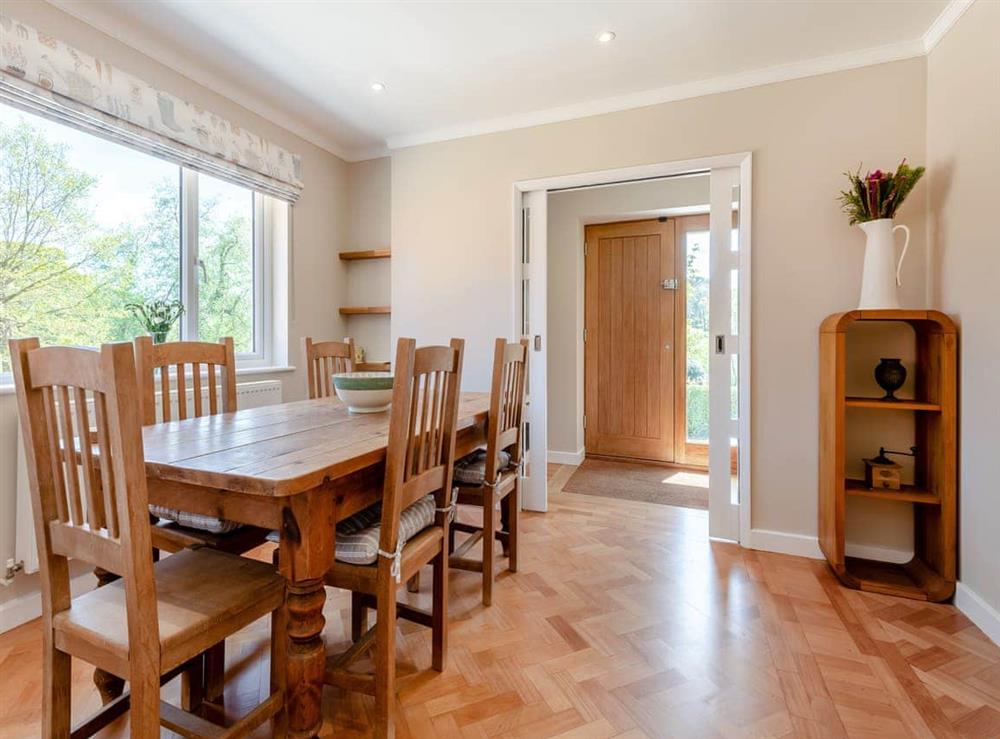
(248, 395)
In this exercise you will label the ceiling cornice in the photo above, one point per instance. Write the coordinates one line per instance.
(726, 83)
(671, 93)
(943, 23)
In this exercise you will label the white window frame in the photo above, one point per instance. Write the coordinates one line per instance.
(190, 264)
(270, 216)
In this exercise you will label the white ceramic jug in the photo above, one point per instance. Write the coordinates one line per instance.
(881, 272)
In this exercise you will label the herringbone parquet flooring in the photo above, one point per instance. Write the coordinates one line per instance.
(625, 621)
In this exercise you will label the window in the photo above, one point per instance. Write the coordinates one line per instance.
(89, 227)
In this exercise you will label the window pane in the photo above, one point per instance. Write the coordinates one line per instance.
(87, 228)
(226, 268)
(696, 243)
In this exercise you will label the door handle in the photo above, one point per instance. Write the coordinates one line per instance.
(720, 344)
(538, 342)
(669, 284)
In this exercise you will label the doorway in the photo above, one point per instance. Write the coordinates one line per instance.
(631, 340)
(729, 329)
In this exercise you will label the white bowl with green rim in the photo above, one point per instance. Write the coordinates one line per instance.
(364, 392)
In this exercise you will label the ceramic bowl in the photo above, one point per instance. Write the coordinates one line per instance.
(364, 392)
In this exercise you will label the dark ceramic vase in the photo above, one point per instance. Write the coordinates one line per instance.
(890, 376)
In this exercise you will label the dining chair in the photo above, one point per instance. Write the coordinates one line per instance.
(385, 545)
(77, 410)
(490, 479)
(323, 359)
(166, 391)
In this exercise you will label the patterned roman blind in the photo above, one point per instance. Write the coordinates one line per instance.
(45, 76)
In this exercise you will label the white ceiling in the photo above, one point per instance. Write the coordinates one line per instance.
(458, 68)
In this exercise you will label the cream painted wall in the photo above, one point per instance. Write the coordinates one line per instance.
(568, 213)
(963, 135)
(319, 224)
(368, 227)
(452, 230)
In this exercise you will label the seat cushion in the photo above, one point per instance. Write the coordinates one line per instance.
(197, 521)
(197, 592)
(358, 536)
(471, 469)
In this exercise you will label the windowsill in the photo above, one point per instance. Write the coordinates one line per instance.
(240, 372)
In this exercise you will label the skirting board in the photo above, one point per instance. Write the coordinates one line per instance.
(28, 607)
(574, 458)
(801, 545)
(981, 613)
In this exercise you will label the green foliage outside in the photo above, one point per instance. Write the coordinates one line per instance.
(697, 346)
(67, 280)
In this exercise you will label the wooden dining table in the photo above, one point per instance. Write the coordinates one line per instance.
(298, 468)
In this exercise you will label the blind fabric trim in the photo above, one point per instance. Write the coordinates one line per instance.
(45, 76)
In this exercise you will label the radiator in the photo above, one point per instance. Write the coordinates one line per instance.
(248, 395)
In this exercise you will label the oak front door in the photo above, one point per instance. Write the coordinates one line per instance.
(629, 348)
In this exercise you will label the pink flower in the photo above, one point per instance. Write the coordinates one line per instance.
(876, 175)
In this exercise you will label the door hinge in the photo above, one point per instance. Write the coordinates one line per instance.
(585, 336)
(669, 284)
(584, 248)
(585, 420)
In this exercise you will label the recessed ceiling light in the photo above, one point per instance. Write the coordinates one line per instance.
(378, 87)
(606, 37)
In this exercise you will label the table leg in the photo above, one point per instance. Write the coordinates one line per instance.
(306, 552)
(306, 657)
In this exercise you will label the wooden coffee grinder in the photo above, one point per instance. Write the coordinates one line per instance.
(881, 473)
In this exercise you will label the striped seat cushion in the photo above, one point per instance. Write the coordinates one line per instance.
(358, 536)
(211, 524)
(471, 469)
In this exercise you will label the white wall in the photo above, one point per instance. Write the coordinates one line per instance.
(963, 135)
(568, 213)
(452, 230)
(368, 208)
(319, 225)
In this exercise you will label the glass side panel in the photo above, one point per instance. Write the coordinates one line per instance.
(696, 243)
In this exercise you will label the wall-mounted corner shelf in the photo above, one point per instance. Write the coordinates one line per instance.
(349, 256)
(369, 310)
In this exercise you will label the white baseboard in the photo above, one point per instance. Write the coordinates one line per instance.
(981, 613)
(27, 607)
(574, 458)
(782, 542)
(802, 545)
(882, 554)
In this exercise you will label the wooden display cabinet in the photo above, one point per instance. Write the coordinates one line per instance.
(930, 575)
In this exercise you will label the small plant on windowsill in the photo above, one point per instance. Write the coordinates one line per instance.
(157, 316)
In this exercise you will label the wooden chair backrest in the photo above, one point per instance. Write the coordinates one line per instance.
(422, 425)
(504, 432)
(89, 500)
(323, 360)
(153, 363)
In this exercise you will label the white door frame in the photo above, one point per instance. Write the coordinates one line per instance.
(743, 160)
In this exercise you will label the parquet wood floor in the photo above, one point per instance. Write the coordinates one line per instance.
(625, 621)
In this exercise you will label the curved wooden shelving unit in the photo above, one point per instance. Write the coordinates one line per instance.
(365, 310)
(930, 575)
(891, 405)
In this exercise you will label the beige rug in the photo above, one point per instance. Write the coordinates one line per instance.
(635, 481)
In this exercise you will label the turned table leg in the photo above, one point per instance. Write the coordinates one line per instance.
(306, 657)
(306, 552)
